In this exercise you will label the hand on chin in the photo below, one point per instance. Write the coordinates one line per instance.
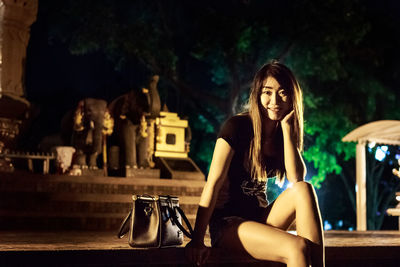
(275, 116)
(288, 119)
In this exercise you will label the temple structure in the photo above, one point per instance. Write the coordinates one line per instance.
(16, 18)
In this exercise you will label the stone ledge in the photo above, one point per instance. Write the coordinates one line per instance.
(128, 257)
(90, 248)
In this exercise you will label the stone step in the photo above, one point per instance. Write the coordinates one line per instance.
(10, 182)
(35, 214)
(40, 202)
(64, 221)
(77, 207)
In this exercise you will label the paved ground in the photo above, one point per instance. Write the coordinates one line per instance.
(75, 240)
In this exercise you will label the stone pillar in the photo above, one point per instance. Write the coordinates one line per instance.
(16, 18)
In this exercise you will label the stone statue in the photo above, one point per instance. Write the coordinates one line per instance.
(92, 123)
(134, 114)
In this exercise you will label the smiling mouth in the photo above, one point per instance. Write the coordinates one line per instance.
(275, 109)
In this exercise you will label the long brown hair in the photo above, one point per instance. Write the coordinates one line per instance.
(287, 80)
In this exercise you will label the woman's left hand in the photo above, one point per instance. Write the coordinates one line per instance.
(288, 120)
(197, 253)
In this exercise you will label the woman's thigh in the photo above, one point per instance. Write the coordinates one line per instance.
(259, 240)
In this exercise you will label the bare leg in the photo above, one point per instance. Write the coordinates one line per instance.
(300, 202)
(265, 242)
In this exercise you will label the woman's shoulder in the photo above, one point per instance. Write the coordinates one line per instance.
(240, 120)
(237, 129)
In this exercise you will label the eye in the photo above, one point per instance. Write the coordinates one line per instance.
(283, 93)
(266, 92)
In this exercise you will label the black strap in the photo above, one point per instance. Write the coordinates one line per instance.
(185, 219)
(124, 228)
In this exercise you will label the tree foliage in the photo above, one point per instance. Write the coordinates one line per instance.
(207, 52)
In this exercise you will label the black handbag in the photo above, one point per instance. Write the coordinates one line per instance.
(155, 222)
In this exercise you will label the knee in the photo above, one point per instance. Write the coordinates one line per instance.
(298, 250)
(303, 188)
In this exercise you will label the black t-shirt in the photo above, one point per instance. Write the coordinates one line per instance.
(241, 195)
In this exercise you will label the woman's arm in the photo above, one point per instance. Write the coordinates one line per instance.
(294, 164)
(221, 160)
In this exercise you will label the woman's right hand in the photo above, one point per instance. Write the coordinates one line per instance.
(196, 252)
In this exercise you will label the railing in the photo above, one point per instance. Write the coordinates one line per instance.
(30, 156)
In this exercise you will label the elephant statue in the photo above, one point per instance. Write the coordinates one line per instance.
(132, 113)
(92, 122)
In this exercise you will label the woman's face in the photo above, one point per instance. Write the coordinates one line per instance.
(275, 99)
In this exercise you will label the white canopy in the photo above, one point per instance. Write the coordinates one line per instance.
(381, 132)
(385, 132)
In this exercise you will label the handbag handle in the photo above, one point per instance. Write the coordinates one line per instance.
(185, 219)
(124, 228)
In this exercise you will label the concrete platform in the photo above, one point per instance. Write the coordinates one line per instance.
(75, 248)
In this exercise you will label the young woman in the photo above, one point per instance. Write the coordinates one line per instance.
(264, 142)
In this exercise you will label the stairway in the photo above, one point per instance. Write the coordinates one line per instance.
(58, 202)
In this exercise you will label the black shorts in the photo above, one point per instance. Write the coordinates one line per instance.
(222, 220)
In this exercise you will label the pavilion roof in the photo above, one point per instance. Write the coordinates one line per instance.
(381, 132)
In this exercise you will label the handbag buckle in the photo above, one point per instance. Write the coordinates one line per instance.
(148, 210)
